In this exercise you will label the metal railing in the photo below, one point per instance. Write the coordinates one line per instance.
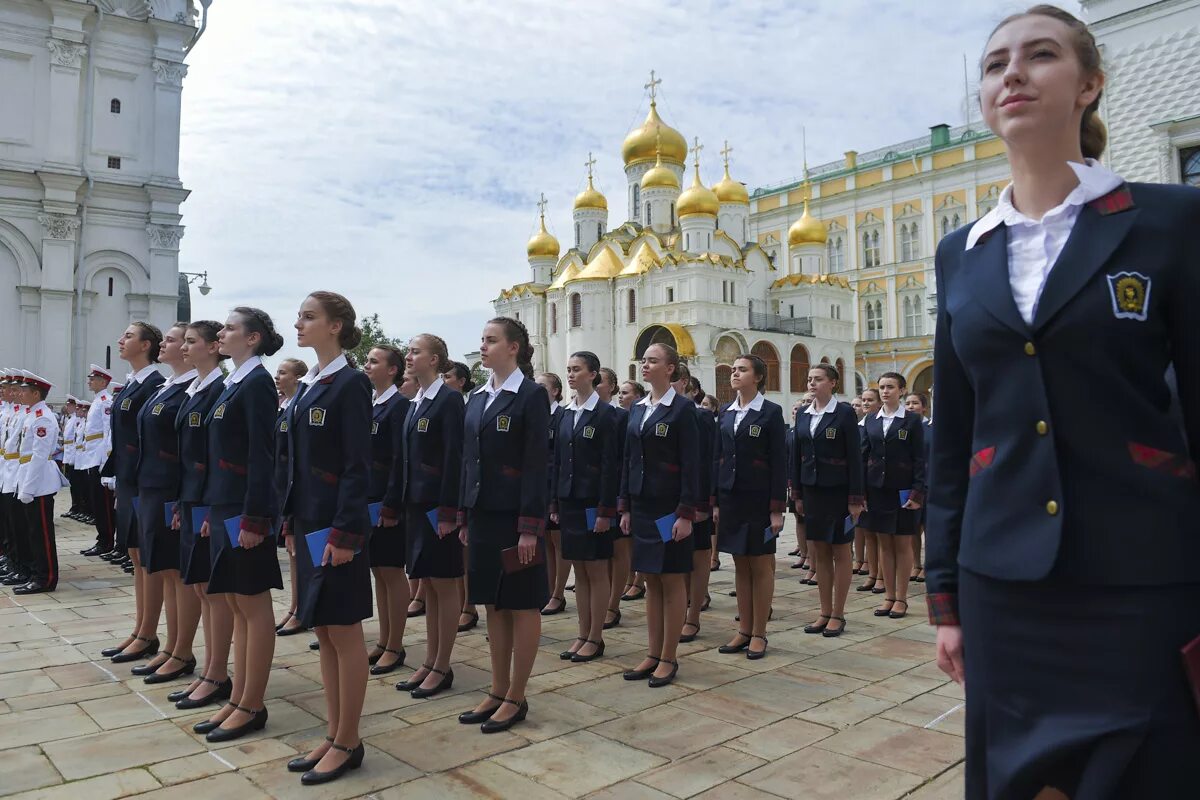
(761, 321)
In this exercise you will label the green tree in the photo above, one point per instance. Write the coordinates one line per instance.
(373, 335)
(479, 375)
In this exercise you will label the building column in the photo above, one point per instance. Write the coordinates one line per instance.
(53, 351)
(162, 299)
(168, 97)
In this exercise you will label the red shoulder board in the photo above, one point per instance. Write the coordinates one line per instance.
(1118, 200)
(37, 413)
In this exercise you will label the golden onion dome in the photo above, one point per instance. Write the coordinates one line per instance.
(640, 143)
(806, 230)
(660, 177)
(542, 244)
(590, 198)
(728, 190)
(698, 199)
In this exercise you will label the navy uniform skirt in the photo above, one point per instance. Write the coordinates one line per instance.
(744, 520)
(194, 563)
(702, 535)
(126, 534)
(489, 532)
(825, 512)
(884, 514)
(1079, 688)
(578, 542)
(236, 570)
(650, 553)
(329, 595)
(386, 546)
(159, 542)
(429, 555)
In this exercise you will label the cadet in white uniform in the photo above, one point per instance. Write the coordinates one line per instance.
(37, 480)
(95, 453)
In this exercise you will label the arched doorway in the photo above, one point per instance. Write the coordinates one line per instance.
(669, 333)
(10, 309)
(923, 382)
(727, 350)
(798, 365)
(724, 392)
(840, 366)
(770, 356)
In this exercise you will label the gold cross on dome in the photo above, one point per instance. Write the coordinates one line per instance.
(542, 204)
(653, 86)
(696, 148)
(591, 162)
(725, 151)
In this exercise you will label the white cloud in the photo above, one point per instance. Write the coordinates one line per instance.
(393, 151)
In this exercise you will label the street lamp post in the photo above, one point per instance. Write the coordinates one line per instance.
(192, 277)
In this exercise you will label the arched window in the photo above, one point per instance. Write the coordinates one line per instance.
(114, 106)
(637, 202)
(874, 314)
(554, 317)
(576, 310)
(1189, 166)
(914, 242)
(957, 223)
(599, 230)
(632, 372)
(798, 364)
(577, 239)
(840, 253)
(905, 244)
(945, 225)
(878, 319)
(871, 249)
(672, 215)
(866, 249)
(631, 311)
(875, 247)
(913, 324)
(649, 219)
(770, 356)
(840, 365)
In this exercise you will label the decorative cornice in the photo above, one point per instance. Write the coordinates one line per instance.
(59, 226)
(66, 54)
(169, 73)
(164, 237)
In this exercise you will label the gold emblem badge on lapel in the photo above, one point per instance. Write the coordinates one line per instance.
(220, 412)
(1130, 292)
(126, 403)
(831, 433)
(158, 407)
(902, 435)
(194, 419)
(316, 417)
(374, 428)
(660, 430)
(588, 432)
(502, 423)
(755, 431)
(283, 427)
(423, 425)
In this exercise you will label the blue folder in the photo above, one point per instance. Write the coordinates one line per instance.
(373, 511)
(169, 512)
(233, 527)
(904, 495)
(431, 515)
(199, 513)
(591, 515)
(665, 524)
(316, 542)
(849, 526)
(768, 534)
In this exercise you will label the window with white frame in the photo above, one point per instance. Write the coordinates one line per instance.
(835, 253)
(874, 316)
(914, 324)
(576, 310)
(631, 311)
(872, 255)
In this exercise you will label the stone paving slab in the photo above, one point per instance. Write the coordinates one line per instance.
(866, 715)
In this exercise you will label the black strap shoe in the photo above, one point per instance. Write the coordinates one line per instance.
(581, 659)
(445, 683)
(384, 669)
(257, 721)
(305, 764)
(186, 668)
(656, 682)
(641, 674)
(476, 717)
(312, 777)
(496, 726)
(149, 651)
(222, 692)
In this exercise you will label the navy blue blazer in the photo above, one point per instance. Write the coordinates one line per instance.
(833, 457)
(622, 428)
(123, 459)
(429, 461)
(896, 460)
(193, 440)
(662, 458)
(754, 460)
(329, 440)
(706, 428)
(1056, 447)
(504, 456)
(387, 432)
(283, 466)
(586, 461)
(240, 466)
(158, 450)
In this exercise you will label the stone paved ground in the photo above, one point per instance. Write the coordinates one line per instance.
(864, 716)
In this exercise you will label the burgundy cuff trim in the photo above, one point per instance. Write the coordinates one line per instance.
(389, 514)
(532, 525)
(686, 512)
(943, 608)
(345, 540)
(856, 500)
(777, 507)
(606, 512)
(257, 525)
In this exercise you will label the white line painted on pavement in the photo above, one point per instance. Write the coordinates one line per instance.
(943, 716)
(218, 757)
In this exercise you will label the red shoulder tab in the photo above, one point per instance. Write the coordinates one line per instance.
(38, 413)
(1118, 200)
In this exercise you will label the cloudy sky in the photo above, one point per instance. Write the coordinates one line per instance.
(394, 150)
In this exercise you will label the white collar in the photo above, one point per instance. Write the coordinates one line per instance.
(884, 415)
(200, 383)
(431, 392)
(589, 405)
(511, 384)
(1095, 180)
(245, 369)
(830, 407)
(387, 395)
(664, 401)
(333, 366)
(142, 374)
(186, 377)
(754, 405)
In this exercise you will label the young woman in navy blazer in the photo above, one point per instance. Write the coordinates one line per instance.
(139, 347)
(893, 461)
(661, 477)
(329, 430)
(158, 489)
(687, 387)
(457, 378)
(389, 409)
(586, 475)
(504, 506)
(865, 544)
(1071, 636)
(828, 479)
(426, 479)
(618, 565)
(557, 567)
(287, 384)
(239, 482)
(634, 588)
(201, 353)
(749, 465)
(917, 403)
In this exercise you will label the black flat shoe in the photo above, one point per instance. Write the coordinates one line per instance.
(728, 649)
(830, 633)
(818, 628)
(638, 593)
(615, 620)
(150, 650)
(312, 777)
(476, 717)
(33, 587)
(578, 659)
(412, 683)
(223, 691)
(208, 724)
(689, 637)
(869, 586)
(92, 551)
(562, 606)
(656, 682)
(314, 645)
(901, 615)
(885, 612)
(466, 626)
(109, 652)
(112, 555)
(188, 668)
(373, 658)
(418, 613)
(565, 655)
(641, 674)
(179, 694)
(142, 670)
(445, 683)
(128, 569)
(388, 668)
(492, 726)
(290, 615)
(755, 655)
(305, 764)
(257, 721)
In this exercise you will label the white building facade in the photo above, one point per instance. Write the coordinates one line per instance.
(89, 177)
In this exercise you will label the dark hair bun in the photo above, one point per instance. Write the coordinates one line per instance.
(351, 337)
(271, 344)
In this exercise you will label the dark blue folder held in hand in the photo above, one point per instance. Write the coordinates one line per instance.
(316, 542)
(849, 526)
(374, 510)
(591, 514)
(768, 534)
(431, 515)
(904, 495)
(665, 525)
(233, 526)
(169, 512)
(199, 514)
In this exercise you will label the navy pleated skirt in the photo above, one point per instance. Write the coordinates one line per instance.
(488, 533)
(825, 512)
(195, 566)
(430, 555)
(236, 570)
(159, 543)
(329, 595)
(126, 534)
(650, 554)
(579, 543)
(745, 516)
